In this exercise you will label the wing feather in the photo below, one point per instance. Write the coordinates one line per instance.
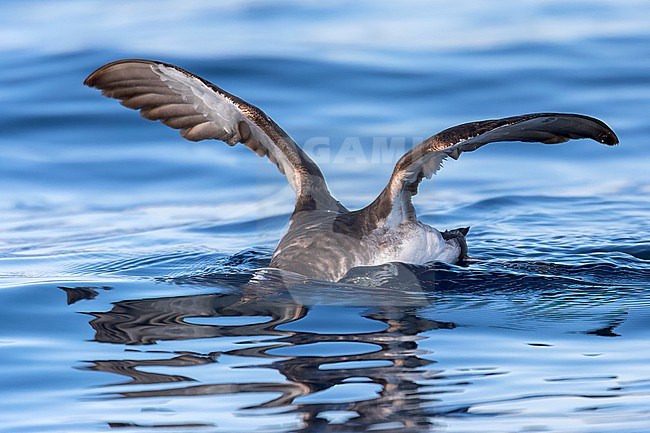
(394, 205)
(202, 111)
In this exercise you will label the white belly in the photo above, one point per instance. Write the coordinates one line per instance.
(414, 243)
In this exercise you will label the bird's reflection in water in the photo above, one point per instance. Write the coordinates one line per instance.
(323, 339)
(384, 356)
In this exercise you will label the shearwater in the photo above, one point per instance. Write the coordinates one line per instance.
(325, 239)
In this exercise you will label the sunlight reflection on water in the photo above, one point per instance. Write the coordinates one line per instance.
(156, 241)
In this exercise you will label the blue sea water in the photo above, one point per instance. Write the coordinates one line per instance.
(130, 296)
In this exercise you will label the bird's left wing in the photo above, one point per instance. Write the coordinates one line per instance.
(201, 110)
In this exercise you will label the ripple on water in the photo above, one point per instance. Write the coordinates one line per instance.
(131, 296)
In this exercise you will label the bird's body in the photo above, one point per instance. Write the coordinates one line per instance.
(326, 244)
(324, 239)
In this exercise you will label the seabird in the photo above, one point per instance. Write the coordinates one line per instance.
(325, 239)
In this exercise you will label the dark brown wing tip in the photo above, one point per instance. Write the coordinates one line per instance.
(601, 133)
(608, 137)
(605, 134)
(91, 80)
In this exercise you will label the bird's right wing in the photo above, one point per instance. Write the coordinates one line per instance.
(393, 205)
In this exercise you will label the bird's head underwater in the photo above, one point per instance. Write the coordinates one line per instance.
(460, 236)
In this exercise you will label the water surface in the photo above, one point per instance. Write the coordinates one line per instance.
(130, 292)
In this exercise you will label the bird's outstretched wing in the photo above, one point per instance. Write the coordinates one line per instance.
(201, 110)
(393, 205)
